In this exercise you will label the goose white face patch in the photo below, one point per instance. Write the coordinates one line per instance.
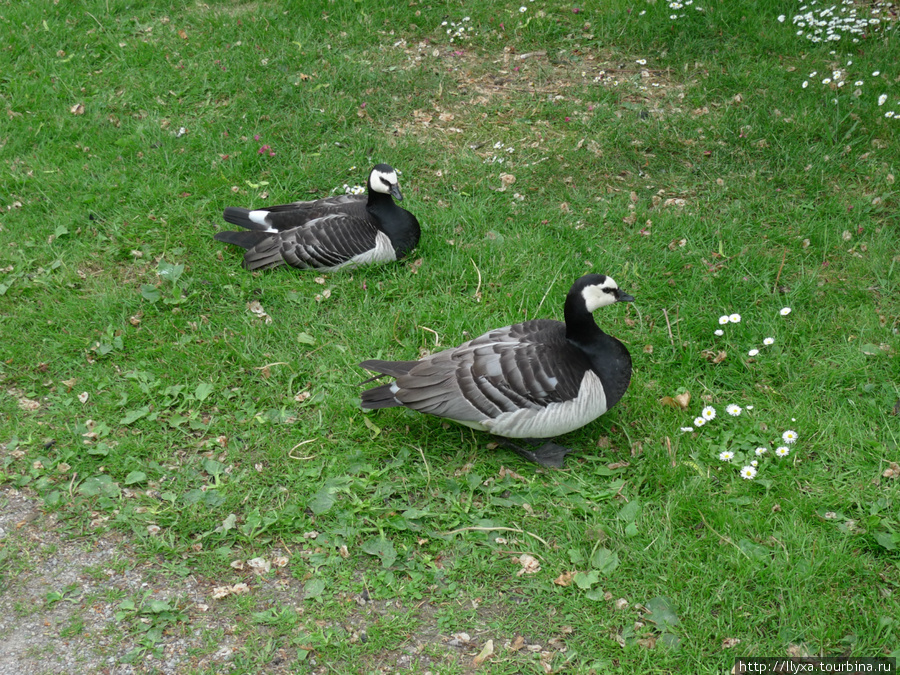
(600, 295)
(381, 181)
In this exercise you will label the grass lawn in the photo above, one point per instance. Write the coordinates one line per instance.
(706, 156)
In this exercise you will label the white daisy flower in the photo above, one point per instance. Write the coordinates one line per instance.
(753, 352)
(749, 407)
(781, 18)
(805, 84)
(748, 472)
(761, 451)
(876, 73)
(523, 9)
(769, 341)
(882, 99)
(789, 436)
(734, 318)
(783, 451)
(686, 429)
(708, 413)
(723, 319)
(858, 83)
(726, 455)
(699, 421)
(754, 463)
(827, 80)
(785, 311)
(719, 332)
(733, 410)
(642, 62)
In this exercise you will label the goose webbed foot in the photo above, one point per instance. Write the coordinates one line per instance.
(545, 453)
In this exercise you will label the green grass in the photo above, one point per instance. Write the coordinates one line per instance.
(192, 397)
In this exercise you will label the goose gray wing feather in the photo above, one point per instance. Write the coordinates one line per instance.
(288, 216)
(525, 366)
(326, 242)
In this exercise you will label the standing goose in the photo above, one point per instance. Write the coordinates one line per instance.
(330, 233)
(531, 380)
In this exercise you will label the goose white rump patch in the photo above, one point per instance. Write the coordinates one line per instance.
(554, 419)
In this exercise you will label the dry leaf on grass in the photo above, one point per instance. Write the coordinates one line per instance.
(530, 564)
(564, 579)
(728, 643)
(713, 356)
(77, 109)
(893, 471)
(486, 652)
(680, 401)
(257, 310)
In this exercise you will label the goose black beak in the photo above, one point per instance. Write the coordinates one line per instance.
(624, 297)
(395, 192)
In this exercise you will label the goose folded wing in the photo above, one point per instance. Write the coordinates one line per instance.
(500, 372)
(328, 241)
(288, 216)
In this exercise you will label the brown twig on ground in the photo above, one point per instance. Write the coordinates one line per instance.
(778, 276)
(669, 326)
(723, 537)
(302, 459)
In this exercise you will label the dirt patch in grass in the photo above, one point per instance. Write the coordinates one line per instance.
(63, 589)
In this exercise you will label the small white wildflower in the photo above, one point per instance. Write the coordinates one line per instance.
(769, 341)
(523, 9)
(699, 421)
(708, 413)
(726, 455)
(858, 83)
(836, 75)
(734, 318)
(782, 451)
(785, 311)
(805, 84)
(723, 319)
(642, 62)
(748, 472)
(789, 436)
(781, 18)
(761, 451)
(827, 80)
(753, 352)
(733, 410)
(749, 407)
(876, 73)
(754, 463)
(882, 99)
(686, 429)
(889, 113)
(719, 332)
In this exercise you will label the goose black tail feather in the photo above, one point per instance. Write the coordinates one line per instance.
(245, 240)
(392, 368)
(241, 217)
(379, 397)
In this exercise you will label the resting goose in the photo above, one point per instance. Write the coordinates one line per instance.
(531, 380)
(330, 233)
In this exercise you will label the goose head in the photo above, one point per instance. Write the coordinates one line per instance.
(598, 290)
(384, 179)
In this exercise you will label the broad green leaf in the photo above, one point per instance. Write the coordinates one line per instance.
(374, 428)
(170, 272)
(382, 548)
(150, 293)
(133, 416)
(135, 477)
(605, 561)
(662, 613)
(229, 522)
(313, 588)
(630, 511)
(585, 580)
(321, 501)
(306, 339)
(886, 539)
(203, 390)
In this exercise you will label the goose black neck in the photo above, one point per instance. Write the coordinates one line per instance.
(580, 325)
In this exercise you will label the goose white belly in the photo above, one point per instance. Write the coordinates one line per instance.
(383, 251)
(556, 418)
